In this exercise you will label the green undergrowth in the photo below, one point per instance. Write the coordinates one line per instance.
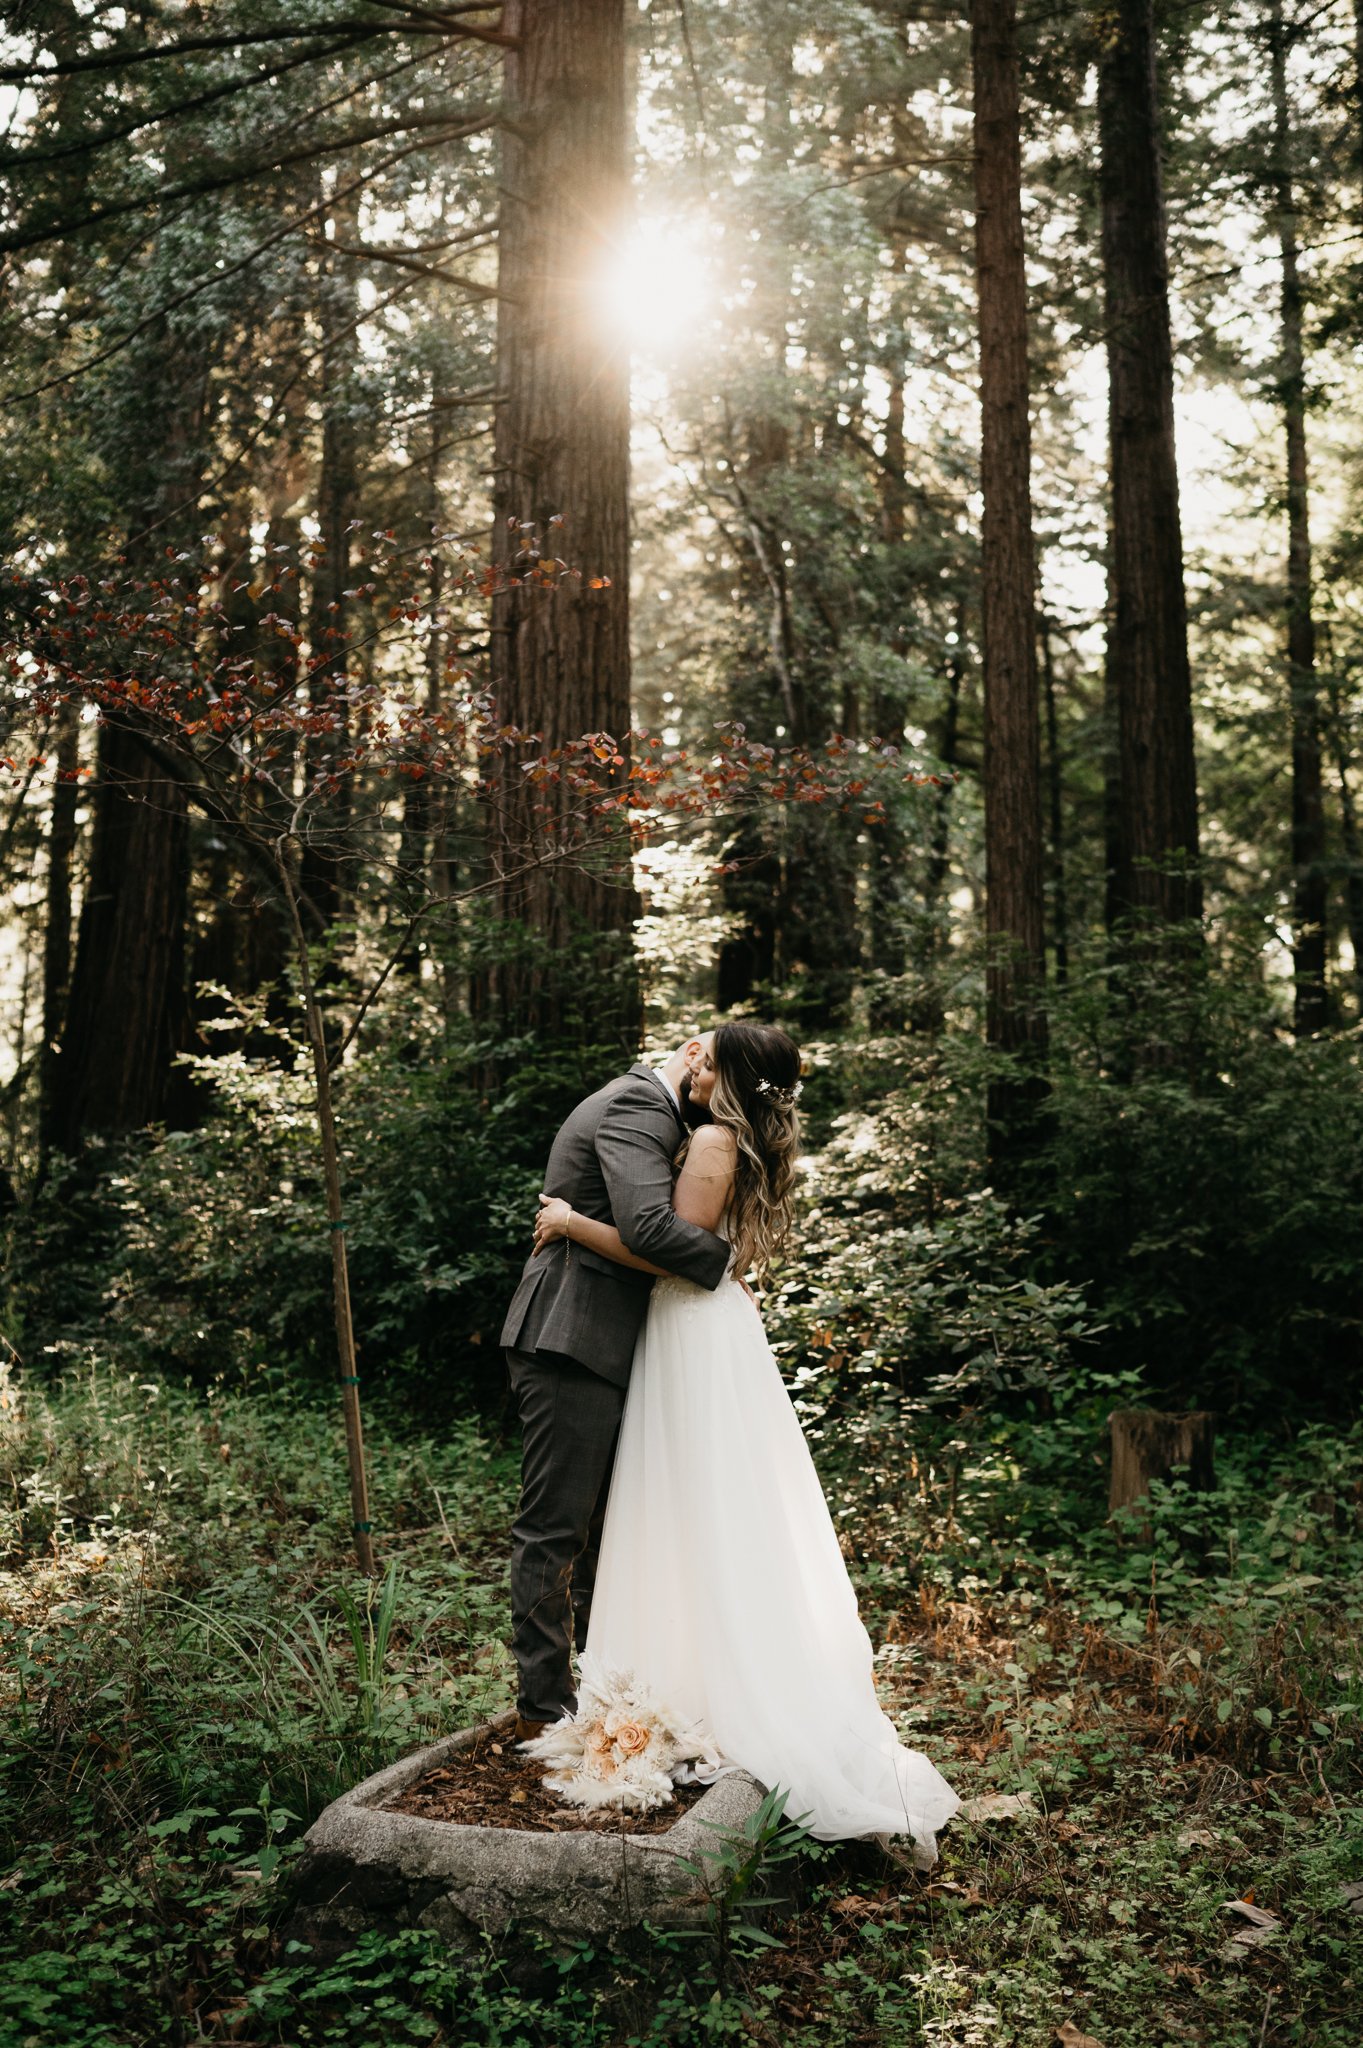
(1160, 1718)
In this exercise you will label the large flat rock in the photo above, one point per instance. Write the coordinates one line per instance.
(366, 1867)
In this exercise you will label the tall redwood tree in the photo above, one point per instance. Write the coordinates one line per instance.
(1014, 845)
(1308, 810)
(1155, 823)
(560, 660)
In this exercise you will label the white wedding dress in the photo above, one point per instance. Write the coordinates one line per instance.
(721, 1586)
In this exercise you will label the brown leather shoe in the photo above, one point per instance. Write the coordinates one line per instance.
(526, 1731)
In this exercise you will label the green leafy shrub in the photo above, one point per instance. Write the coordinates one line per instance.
(903, 1277)
(206, 1250)
(1208, 1199)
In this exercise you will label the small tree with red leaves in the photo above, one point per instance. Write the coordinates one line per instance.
(230, 710)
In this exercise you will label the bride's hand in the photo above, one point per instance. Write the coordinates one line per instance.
(552, 1221)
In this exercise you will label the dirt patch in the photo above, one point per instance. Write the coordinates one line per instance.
(491, 1786)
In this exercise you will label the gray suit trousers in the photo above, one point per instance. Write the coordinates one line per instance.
(570, 1420)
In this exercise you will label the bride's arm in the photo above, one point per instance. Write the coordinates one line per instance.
(557, 1219)
(700, 1196)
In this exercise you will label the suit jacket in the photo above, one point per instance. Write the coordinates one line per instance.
(612, 1159)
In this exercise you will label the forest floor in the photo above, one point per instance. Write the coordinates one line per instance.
(1165, 1718)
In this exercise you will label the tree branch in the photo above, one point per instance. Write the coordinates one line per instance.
(242, 174)
(19, 160)
(419, 21)
(217, 277)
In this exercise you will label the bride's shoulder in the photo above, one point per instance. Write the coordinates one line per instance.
(713, 1147)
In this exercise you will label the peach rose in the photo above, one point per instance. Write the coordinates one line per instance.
(631, 1737)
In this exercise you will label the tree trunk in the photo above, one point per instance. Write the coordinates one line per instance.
(61, 845)
(948, 753)
(348, 1370)
(1155, 874)
(125, 1013)
(1148, 1445)
(892, 479)
(1352, 844)
(1308, 813)
(421, 871)
(1358, 88)
(1014, 861)
(1060, 923)
(268, 939)
(927, 1012)
(560, 658)
(324, 881)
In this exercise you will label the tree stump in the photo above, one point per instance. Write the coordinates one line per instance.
(1147, 1444)
(367, 1866)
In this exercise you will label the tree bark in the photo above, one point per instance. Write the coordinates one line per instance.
(1308, 811)
(346, 1357)
(927, 1012)
(1060, 922)
(1156, 877)
(1147, 1444)
(798, 898)
(1352, 844)
(125, 1013)
(1014, 859)
(61, 846)
(560, 659)
(323, 880)
(1358, 89)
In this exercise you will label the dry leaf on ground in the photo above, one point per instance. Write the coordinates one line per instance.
(1256, 1915)
(855, 1907)
(1240, 1945)
(1263, 1926)
(997, 1806)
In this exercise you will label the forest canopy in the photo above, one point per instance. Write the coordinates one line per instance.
(399, 397)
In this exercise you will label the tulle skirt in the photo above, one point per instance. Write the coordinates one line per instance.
(721, 1585)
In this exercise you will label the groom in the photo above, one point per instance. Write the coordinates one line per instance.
(569, 1342)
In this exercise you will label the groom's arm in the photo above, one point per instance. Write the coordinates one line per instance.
(634, 1143)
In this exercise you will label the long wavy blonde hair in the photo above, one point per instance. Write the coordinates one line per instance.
(757, 1073)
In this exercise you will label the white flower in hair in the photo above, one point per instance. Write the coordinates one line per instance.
(766, 1087)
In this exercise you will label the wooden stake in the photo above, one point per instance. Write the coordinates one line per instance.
(340, 1274)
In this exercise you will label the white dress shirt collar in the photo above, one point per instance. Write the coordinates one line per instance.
(661, 1078)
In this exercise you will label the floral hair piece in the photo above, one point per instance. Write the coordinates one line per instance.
(786, 1095)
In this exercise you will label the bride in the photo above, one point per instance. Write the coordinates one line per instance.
(721, 1586)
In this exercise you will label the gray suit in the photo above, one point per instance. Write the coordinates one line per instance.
(569, 1337)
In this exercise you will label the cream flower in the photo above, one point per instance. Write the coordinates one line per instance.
(622, 1748)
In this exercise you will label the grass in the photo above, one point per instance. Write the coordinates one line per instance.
(192, 1669)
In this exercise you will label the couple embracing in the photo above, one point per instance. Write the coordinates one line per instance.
(671, 1523)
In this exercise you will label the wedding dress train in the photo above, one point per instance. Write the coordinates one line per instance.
(721, 1586)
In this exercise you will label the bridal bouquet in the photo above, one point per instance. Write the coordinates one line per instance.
(622, 1747)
